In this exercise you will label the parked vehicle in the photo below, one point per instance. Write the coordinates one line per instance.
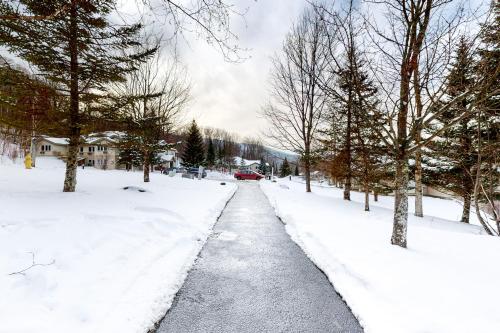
(194, 171)
(248, 174)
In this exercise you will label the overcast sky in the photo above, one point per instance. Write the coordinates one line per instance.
(228, 95)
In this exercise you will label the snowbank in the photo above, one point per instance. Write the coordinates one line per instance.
(115, 258)
(446, 281)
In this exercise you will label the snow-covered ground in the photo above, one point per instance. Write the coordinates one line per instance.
(446, 281)
(115, 258)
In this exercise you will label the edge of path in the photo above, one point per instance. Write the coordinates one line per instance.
(175, 300)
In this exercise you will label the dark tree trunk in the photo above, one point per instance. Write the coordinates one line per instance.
(466, 209)
(375, 195)
(74, 126)
(367, 197)
(348, 176)
(146, 166)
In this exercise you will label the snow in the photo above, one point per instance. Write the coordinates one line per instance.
(446, 281)
(218, 175)
(119, 256)
(57, 141)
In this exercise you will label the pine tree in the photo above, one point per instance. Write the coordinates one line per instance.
(74, 45)
(194, 152)
(487, 118)
(285, 169)
(210, 153)
(263, 166)
(297, 173)
(449, 160)
(130, 154)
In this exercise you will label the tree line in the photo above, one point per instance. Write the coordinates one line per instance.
(388, 102)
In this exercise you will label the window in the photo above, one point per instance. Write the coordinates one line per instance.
(81, 149)
(46, 148)
(91, 149)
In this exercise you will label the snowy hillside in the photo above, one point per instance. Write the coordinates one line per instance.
(111, 260)
(446, 281)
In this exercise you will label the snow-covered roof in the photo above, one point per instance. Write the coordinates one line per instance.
(243, 162)
(89, 140)
(166, 157)
(56, 141)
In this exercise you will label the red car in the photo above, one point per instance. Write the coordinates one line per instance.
(248, 174)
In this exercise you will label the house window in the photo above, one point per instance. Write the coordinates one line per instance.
(46, 148)
(81, 149)
(91, 149)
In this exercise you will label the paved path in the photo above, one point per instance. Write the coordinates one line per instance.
(251, 277)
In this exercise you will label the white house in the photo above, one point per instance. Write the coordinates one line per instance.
(243, 164)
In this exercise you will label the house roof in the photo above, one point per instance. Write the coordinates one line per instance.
(56, 141)
(243, 162)
(166, 157)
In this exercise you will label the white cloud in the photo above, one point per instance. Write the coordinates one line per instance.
(229, 95)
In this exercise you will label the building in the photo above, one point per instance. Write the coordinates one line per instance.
(170, 159)
(99, 152)
(243, 164)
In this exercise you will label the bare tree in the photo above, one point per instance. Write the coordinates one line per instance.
(296, 109)
(154, 95)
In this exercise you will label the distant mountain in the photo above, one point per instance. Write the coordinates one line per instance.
(278, 155)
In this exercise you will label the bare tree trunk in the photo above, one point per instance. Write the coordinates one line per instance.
(400, 203)
(477, 183)
(367, 197)
(307, 169)
(74, 127)
(418, 184)
(146, 166)
(347, 185)
(466, 209)
(400, 223)
(375, 194)
(418, 153)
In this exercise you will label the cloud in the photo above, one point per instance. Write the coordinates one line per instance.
(230, 95)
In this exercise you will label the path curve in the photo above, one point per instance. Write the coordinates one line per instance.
(251, 277)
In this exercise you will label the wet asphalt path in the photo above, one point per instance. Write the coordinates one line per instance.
(251, 277)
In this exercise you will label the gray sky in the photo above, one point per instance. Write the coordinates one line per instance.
(228, 95)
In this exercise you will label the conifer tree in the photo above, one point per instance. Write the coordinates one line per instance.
(262, 166)
(450, 159)
(194, 151)
(285, 169)
(297, 171)
(210, 153)
(75, 45)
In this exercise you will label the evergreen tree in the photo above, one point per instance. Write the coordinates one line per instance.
(297, 173)
(262, 166)
(210, 153)
(285, 169)
(194, 151)
(449, 160)
(488, 120)
(130, 154)
(74, 45)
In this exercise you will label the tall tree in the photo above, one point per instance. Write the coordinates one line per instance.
(295, 113)
(153, 97)
(210, 153)
(451, 157)
(194, 150)
(75, 45)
